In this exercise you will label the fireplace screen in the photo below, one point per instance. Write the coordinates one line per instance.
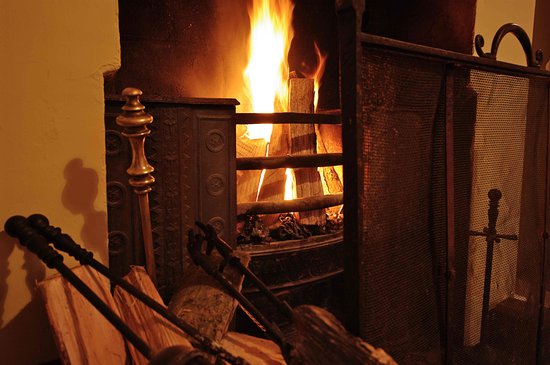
(448, 156)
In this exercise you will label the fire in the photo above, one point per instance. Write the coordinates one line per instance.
(266, 75)
(317, 73)
(267, 72)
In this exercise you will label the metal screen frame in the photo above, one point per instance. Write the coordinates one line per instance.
(352, 44)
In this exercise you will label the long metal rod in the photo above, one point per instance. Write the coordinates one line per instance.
(277, 162)
(134, 120)
(18, 227)
(295, 205)
(286, 118)
(65, 243)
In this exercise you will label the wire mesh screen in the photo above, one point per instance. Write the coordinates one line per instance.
(436, 137)
(501, 284)
(404, 231)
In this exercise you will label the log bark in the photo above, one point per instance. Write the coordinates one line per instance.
(82, 334)
(308, 181)
(203, 303)
(322, 340)
(155, 330)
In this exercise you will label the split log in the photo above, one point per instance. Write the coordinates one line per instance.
(82, 334)
(203, 303)
(155, 330)
(273, 186)
(329, 140)
(248, 181)
(322, 340)
(257, 351)
(295, 205)
(308, 181)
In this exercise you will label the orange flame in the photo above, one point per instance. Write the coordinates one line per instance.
(318, 73)
(266, 74)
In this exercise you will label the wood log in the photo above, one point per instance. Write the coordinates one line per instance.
(248, 181)
(203, 303)
(273, 185)
(308, 181)
(155, 330)
(82, 334)
(257, 351)
(295, 205)
(322, 340)
(329, 138)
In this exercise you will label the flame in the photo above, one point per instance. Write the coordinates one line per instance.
(266, 74)
(318, 73)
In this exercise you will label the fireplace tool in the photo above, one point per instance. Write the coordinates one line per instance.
(321, 338)
(491, 237)
(35, 233)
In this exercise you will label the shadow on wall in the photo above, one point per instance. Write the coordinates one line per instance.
(30, 325)
(79, 195)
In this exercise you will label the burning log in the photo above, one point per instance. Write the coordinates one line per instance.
(295, 205)
(273, 186)
(329, 140)
(308, 181)
(247, 188)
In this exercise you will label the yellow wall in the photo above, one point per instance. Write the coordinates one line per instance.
(491, 14)
(53, 54)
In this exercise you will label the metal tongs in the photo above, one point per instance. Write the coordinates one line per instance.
(201, 257)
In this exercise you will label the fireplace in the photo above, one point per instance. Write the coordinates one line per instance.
(429, 138)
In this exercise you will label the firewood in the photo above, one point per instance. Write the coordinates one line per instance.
(308, 181)
(203, 303)
(155, 330)
(247, 181)
(295, 205)
(257, 351)
(273, 186)
(322, 340)
(329, 140)
(82, 334)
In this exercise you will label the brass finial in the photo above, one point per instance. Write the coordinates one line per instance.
(134, 120)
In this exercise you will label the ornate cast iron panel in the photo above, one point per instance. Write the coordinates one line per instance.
(191, 148)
